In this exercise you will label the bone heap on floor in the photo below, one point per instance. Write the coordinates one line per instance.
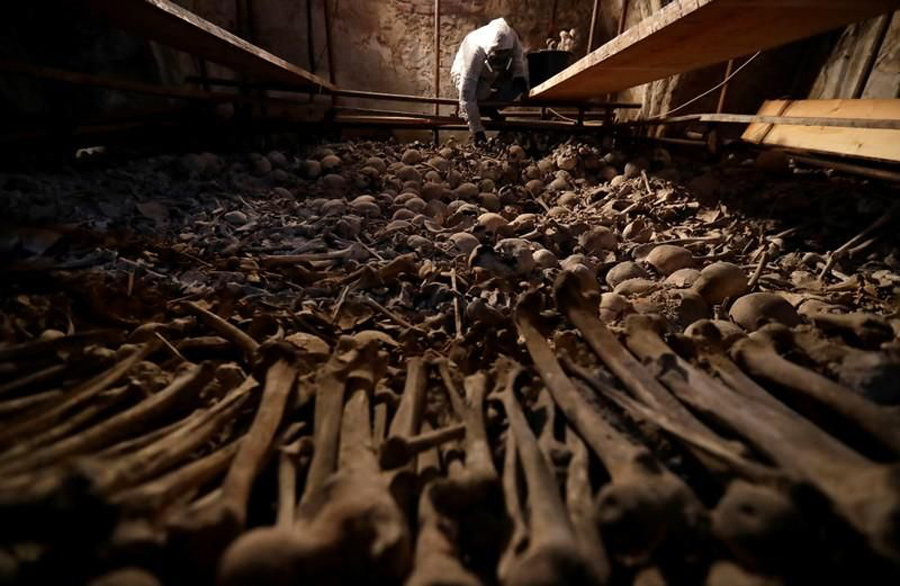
(538, 363)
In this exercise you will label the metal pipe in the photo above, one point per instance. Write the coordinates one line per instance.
(882, 174)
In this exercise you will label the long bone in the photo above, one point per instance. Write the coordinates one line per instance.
(637, 379)
(408, 418)
(161, 492)
(109, 474)
(556, 452)
(551, 554)
(872, 374)
(78, 396)
(45, 346)
(758, 356)
(712, 349)
(757, 521)
(437, 558)
(717, 450)
(358, 533)
(352, 252)
(18, 409)
(864, 493)
(861, 328)
(512, 500)
(212, 529)
(225, 329)
(104, 402)
(158, 405)
(136, 443)
(580, 504)
(272, 553)
(645, 506)
(40, 376)
(397, 450)
(471, 484)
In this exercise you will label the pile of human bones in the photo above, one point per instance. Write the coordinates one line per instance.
(370, 363)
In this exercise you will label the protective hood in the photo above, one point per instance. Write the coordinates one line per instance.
(494, 36)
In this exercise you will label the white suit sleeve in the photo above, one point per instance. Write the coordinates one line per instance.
(468, 90)
(520, 68)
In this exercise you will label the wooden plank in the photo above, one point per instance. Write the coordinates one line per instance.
(172, 25)
(872, 143)
(131, 86)
(689, 34)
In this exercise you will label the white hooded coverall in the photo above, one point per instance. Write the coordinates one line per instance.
(470, 76)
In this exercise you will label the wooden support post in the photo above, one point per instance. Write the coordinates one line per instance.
(330, 48)
(724, 91)
(437, 65)
(595, 15)
(621, 30)
(580, 116)
(310, 41)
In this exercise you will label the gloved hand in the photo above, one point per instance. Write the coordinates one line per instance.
(479, 138)
(520, 86)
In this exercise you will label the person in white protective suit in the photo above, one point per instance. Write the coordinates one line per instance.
(489, 65)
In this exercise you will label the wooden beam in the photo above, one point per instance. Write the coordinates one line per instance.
(172, 25)
(329, 46)
(689, 34)
(724, 92)
(125, 85)
(857, 140)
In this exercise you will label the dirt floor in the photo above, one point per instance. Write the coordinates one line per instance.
(547, 361)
